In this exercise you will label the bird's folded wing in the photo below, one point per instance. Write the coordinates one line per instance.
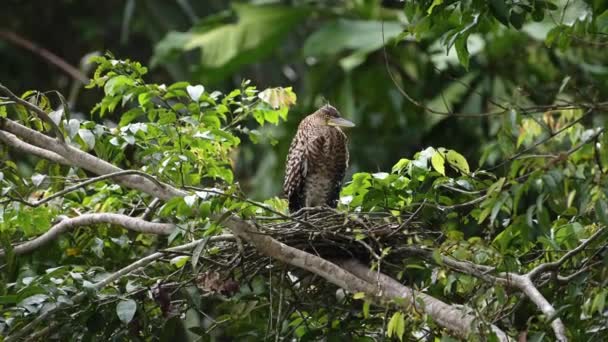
(299, 161)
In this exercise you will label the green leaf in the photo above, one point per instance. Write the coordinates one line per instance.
(599, 302)
(180, 261)
(167, 117)
(601, 22)
(125, 309)
(433, 5)
(456, 160)
(117, 84)
(462, 51)
(517, 19)
(438, 162)
(256, 32)
(500, 11)
(601, 211)
(401, 164)
(129, 116)
(359, 295)
(345, 34)
(366, 305)
(396, 325)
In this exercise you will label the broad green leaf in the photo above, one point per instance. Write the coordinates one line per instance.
(401, 164)
(346, 34)
(457, 161)
(599, 302)
(462, 50)
(601, 211)
(500, 11)
(256, 32)
(117, 84)
(433, 5)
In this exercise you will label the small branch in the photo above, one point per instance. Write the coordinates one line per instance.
(41, 114)
(127, 222)
(521, 282)
(150, 209)
(552, 266)
(90, 181)
(45, 54)
(155, 256)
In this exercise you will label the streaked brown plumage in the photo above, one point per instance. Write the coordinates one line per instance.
(317, 160)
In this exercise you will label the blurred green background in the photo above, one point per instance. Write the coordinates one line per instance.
(329, 51)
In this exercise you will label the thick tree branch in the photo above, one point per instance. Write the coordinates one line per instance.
(380, 289)
(460, 318)
(12, 140)
(127, 222)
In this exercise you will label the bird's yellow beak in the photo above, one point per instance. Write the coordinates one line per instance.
(340, 122)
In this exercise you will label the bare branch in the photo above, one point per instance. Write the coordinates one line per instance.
(552, 266)
(521, 282)
(45, 54)
(90, 181)
(527, 287)
(127, 222)
(155, 256)
(150, 209)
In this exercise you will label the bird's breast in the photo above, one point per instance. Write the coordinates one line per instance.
(317, 187)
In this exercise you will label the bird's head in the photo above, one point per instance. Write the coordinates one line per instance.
(329, 116)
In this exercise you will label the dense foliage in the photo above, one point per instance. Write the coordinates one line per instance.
(480, 142)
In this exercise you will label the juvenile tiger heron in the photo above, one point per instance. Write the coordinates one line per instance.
(317, 160)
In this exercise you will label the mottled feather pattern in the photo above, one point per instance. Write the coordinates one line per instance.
(316, 163)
